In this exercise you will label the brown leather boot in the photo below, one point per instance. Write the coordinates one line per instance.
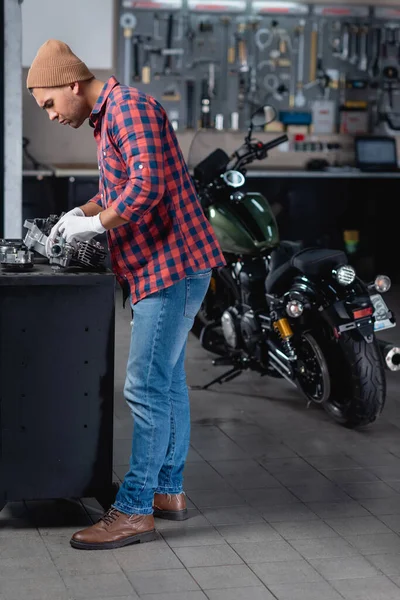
(170, 506)
(114, 530)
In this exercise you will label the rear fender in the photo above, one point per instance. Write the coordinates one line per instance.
(338, 305)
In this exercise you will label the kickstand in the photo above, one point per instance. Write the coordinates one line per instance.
(227, 376)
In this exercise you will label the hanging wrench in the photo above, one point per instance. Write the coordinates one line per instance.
(353, 45)
(300, 99)
(363, 64)
(376, 49)
(345, 42)
(128, 23)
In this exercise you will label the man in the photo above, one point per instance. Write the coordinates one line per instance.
(162, 251)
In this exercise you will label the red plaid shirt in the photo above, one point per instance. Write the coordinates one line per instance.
(144, 178)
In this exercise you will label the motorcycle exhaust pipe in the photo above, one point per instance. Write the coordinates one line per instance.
(280, 363)
(391, 355)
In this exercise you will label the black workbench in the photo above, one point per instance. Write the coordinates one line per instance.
(56, 384)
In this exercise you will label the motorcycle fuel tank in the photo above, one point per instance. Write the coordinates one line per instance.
(245, 226)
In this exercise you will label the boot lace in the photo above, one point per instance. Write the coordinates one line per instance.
(110, 516)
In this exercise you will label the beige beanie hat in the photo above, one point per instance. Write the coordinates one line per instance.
(56, 65)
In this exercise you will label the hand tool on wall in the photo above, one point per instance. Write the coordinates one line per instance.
(243, 68)
(253, 99)
(293, 75)
(146, 69)
(398, 46)
(206, 26)
(390, 30)
(190, 35)
(322, 78)
(282, 44)
(168, 44)
(292, 89)
(313, 52)
(205, 108)
(128, 22)
(148, 53)
(353, 58)
(275, 51)
(211, 80)
(173, 116)
(137, 40)
(171, 93)
(327, 79)
(336, 39)
(320, 49)
(263, 38)
(178, 37)
(190, 93)
(225, 22)
(156, 27)
(383, 52)
(284, 47)
(171, 53)
(397, 41)
(200, 61)
(391, 81)
(345, 42)
(242, 88)
(242, 48)
(276, 89)
(376, 48)
(363, 62)
(300, 99)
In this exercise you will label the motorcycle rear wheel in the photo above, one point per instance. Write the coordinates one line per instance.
(358, 381)
(312, 375)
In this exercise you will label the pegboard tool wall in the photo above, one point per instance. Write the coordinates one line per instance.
(227, 58)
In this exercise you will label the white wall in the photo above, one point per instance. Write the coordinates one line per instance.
(12, 120)
(53, 143)
(88, 26)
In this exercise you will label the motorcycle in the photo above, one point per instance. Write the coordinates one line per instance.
(285, 311)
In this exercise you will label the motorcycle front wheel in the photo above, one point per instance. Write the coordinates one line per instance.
(358, 382)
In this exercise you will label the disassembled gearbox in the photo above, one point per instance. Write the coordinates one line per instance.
(17, 254)
(89, 254)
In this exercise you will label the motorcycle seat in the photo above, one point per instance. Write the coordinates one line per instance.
(311, 261)
(316, 261)
(283, 253)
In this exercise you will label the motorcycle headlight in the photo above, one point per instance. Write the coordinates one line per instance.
(344, 275)
(382, 283)
(233, 178)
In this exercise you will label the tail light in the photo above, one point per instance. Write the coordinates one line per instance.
(361, 313)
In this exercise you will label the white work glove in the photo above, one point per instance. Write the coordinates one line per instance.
(54, 233)
(80, 229)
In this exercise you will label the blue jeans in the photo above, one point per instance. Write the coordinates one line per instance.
(157, 394)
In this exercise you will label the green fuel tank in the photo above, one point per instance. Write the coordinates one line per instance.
(246, 226)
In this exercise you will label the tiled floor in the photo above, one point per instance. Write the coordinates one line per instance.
(284, 504)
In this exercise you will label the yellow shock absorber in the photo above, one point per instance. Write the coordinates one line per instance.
(213, 285)
(283, 328)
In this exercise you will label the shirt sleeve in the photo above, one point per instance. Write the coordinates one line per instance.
(97, 199)
(138, 133)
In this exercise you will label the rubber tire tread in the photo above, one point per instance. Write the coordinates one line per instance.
(367, 381)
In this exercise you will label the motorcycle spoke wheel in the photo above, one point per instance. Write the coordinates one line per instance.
(312, 371)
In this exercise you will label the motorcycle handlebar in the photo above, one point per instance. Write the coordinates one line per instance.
(280, 140)
(257, 150)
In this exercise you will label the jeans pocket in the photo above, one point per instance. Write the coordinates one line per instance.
(196, 289)
(201, 273)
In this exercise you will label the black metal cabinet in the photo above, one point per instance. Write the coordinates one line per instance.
(56, 385)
